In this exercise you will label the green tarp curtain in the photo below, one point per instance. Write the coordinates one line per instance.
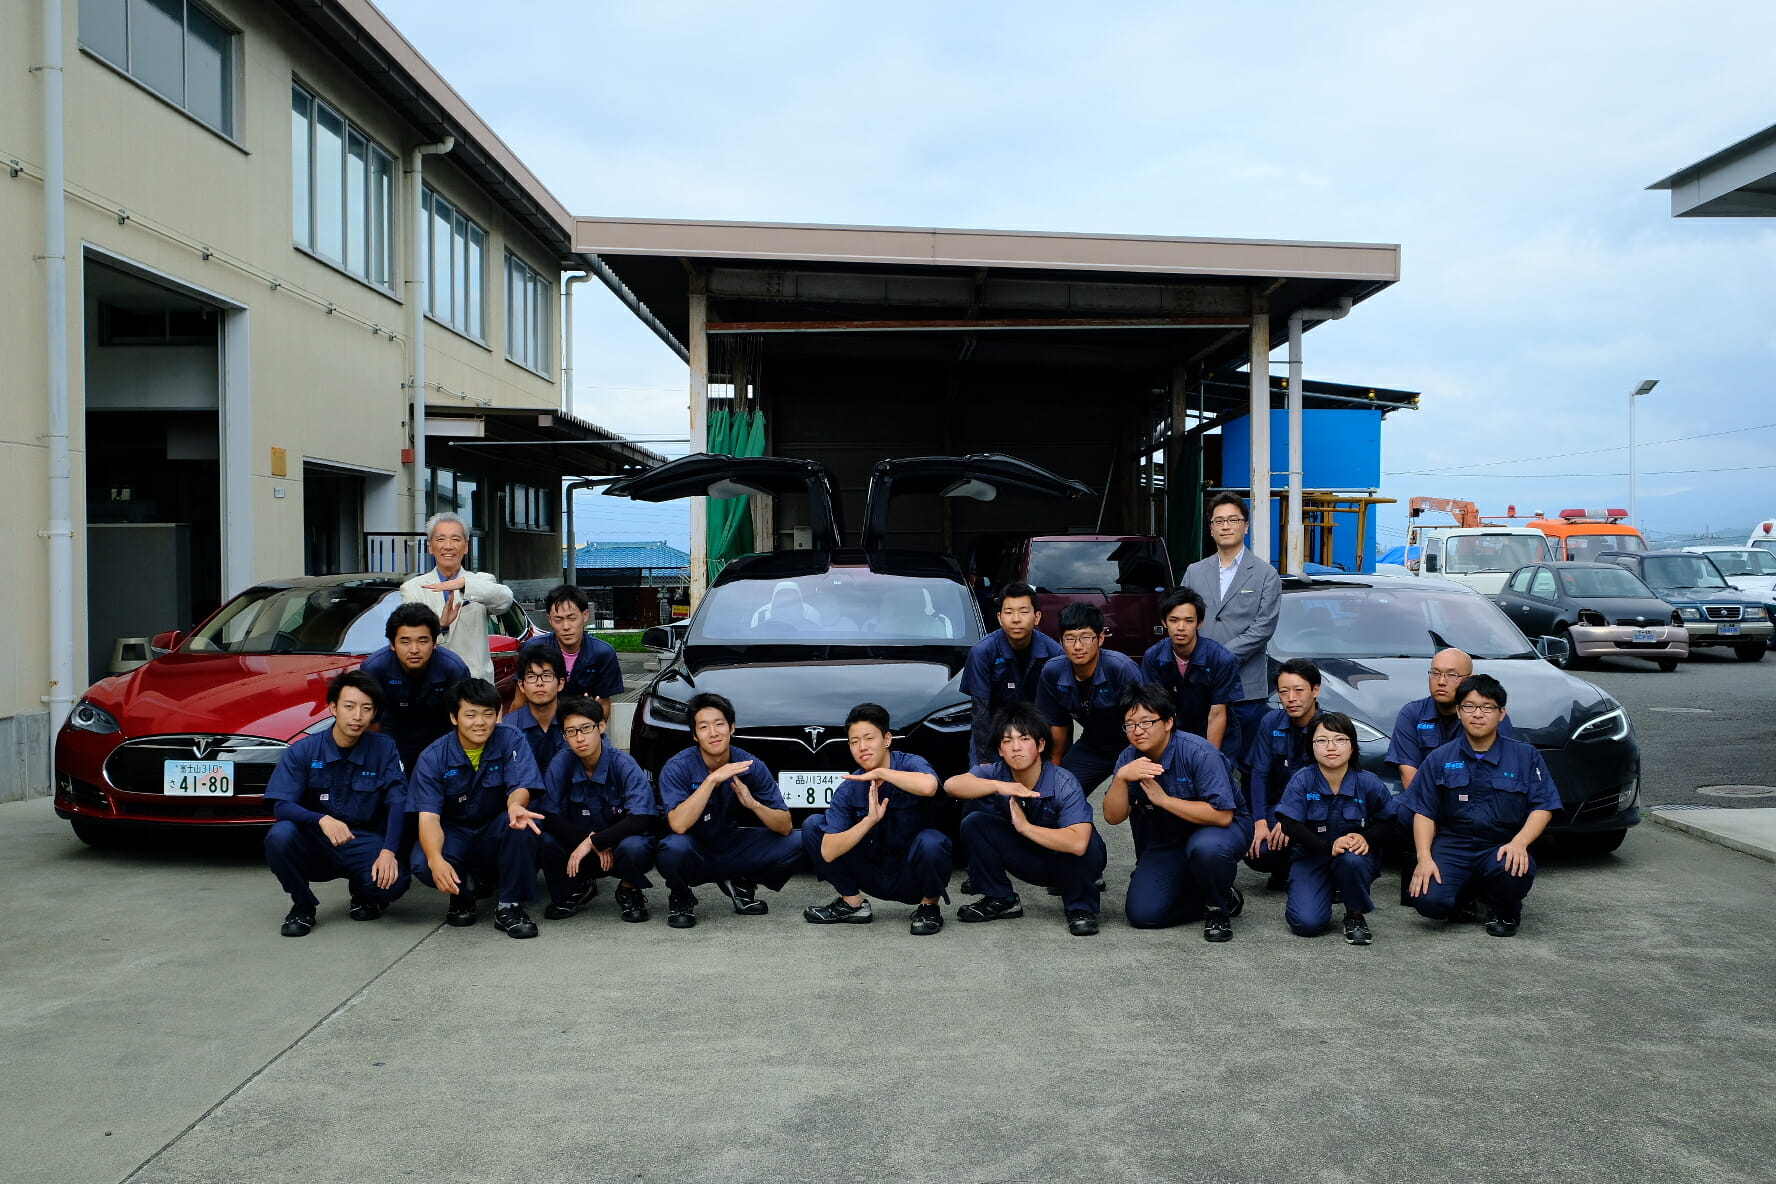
(739, 433)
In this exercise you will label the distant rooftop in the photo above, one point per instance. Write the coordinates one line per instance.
(1739, 181)
(655, 558)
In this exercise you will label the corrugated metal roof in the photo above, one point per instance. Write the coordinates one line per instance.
(646, 556)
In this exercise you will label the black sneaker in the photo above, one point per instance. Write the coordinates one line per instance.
(632, 903)
(740, 892)
(513, 921)
(838, 913)
(365, 910)
(562, 909)
(991, 908)
(927, 919)
(1497, 926)
(298, 921)
(1356, 930)
(462, 910)
(1217, 926)
(681, 910)
(1082, 924)
(967, 888)
(1239, 902)
(1466, 912)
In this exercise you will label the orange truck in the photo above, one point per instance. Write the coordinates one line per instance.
(1581, 535)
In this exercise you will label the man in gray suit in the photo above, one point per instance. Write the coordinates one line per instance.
(1242, 594)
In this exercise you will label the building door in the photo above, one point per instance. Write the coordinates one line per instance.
(332, 520)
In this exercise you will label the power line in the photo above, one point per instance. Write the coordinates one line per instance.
(1523, 460)
(1563, 476)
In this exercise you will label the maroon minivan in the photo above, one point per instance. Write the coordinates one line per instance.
(1123, 574)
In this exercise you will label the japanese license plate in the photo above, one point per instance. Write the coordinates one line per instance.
(1646, 635)
(1728, 631)
(199, 779)
(809, 791)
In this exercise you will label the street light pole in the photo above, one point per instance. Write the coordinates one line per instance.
(1642, 389)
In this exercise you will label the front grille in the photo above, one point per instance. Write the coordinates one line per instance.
(138, 766)
(1641, 623)
(793, 745)
(1723, 612)
(1601, 806)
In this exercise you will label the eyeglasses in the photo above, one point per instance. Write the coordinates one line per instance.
(1225, 521)
(582, 730)
(1446, 675)
(1080, 638)
(1331, 741)
(539, 676)
(1479, 708)
(1134, 726)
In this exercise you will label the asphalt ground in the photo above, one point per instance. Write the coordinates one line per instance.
(154, 1027)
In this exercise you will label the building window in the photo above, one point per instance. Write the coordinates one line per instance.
(528, 508)
(175, 48)
(527, 315)
(456, 256)
(343, 187)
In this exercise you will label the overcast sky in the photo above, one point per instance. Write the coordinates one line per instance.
(1505, 147)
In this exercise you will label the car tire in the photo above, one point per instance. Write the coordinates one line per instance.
(100, 835)
(1668, 664)
(1749, 653)
(1600, 842)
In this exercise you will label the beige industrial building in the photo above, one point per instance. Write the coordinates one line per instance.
(259, 202)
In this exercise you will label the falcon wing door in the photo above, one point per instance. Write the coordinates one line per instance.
(980, 476)
(707, 474)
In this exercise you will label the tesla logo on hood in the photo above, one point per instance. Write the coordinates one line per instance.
(204, 746)
(815, 732)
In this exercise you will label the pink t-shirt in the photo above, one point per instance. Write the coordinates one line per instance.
(568, 660)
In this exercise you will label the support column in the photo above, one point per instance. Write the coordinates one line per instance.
(1294, 541)
(1259, 412)
(1180, 500)
(699, 346)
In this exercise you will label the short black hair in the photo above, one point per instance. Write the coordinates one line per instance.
(1225, 498)
(1015, 590)
(588, 707)
(413, 616)
(567, 594)
(1182, 596)
(709, 699)
(1302, 668)
(1153, 697)
(360, 681)
(1021, 717)
(541, 653)
(1339, 722)
(476, 692)
(869, 713)
(1080, 615)
(1485, 685)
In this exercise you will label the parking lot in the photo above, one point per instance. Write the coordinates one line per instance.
(155, 1027)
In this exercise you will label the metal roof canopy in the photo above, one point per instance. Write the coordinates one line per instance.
(550, 441)
(1736, 182)
(1139, 321)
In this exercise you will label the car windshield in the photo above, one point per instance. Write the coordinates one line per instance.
(338, 619)
(1492, 552)
(1588, 583)
(1584, 548)
(1749, 562)
(1681, 571)
(843, 606)
(1107, 566)
(1355, 621)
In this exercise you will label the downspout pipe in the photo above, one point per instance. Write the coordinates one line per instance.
(416, 320)
(1296, 541)
(60, 531)
(570, 572)
(567, 341)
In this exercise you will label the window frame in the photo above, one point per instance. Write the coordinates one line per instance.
(378, 171)
(539, 513)
(541, 333)
(234, 95)
(463, 230)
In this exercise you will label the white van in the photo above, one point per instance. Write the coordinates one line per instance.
(1481, 557)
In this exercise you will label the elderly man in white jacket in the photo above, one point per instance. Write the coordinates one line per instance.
(462, 599)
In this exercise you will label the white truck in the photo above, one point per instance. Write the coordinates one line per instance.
(1473, 552)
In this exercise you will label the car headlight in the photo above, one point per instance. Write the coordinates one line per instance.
(953, 719)
(1367, 734)
(1612, 725)
(1691, 614)
(667, 713)
(87, 718)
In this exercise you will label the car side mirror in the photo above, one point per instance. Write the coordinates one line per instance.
(659, 637)
(1555, 649)
(166, 642)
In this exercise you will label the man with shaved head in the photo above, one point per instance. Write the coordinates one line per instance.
(1429, 723)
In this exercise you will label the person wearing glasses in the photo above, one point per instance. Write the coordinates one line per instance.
(1478, 803)
(1331, 811)
(1281, 749)
(1085, 685)
(1430, 723)
(1191, 823)
(541, 676)
(1242, 594)
(599, 818)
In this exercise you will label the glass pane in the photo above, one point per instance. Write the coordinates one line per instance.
(381, 215)
(357, 191)
(157, 45)
(438, 284)
(511, 308)
(102, 25)
(465, 499)
(459, 306)
(540, 327)
(475, 296)
(301, 168)
(329, 196)
(209, 70)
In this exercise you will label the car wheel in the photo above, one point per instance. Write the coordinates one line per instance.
(1668, 664)
(1600, 842)
(101, 835)
(1749, 653)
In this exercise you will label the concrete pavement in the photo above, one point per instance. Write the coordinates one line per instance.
(1624, 1035)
